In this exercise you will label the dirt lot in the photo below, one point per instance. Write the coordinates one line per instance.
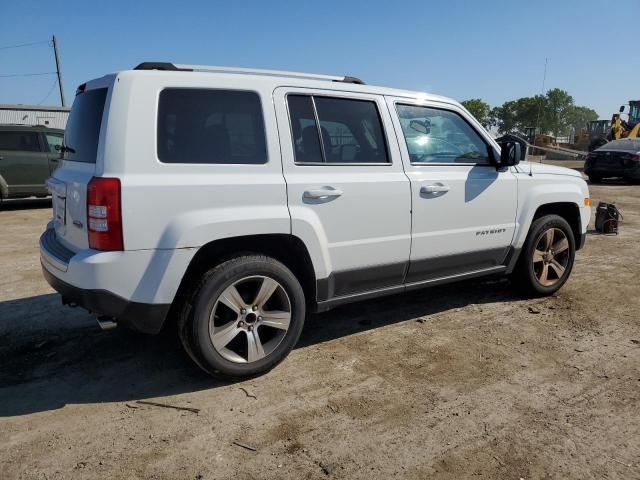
(460, 381)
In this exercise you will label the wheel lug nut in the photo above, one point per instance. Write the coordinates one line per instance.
(243, 311)
(259, 318)
(255, 307)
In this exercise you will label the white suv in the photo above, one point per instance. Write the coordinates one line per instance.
(236, 200)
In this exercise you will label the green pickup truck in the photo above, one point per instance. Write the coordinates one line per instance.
(28, 156)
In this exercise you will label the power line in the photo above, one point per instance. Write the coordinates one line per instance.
(50, 91)
(6, 47)
(9, 75)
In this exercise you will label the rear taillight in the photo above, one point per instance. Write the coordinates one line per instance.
(630, 160)
(104, 215)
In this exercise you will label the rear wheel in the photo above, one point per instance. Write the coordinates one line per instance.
(245, 317)
(547, 257)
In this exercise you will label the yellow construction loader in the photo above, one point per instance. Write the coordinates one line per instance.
(619, 128)
(629, 129)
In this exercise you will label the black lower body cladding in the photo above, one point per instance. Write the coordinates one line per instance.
(142, 317)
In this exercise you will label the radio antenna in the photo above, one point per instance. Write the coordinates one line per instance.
(535, 132)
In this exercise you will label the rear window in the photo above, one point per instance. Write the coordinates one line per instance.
(210, 127)
(83, 127)
(54, 140)
(624, 145)
(19, 141)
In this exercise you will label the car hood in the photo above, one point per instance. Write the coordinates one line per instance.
(542, 168)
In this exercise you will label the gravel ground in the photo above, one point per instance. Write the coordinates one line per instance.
(459, 381)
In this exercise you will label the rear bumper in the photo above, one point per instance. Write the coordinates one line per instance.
(604, 171)
(136, 287)
(143, 317)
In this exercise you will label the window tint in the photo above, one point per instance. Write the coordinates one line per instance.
(210, 126)
(53, 139)
(350, 130)
(440, 136)
(83, 127)
(305, 131)
(19, 141)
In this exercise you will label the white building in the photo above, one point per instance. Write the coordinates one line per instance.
(54, 117)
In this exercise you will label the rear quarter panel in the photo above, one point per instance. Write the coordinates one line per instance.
(168, 206)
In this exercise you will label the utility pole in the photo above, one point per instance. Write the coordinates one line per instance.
(58, 71)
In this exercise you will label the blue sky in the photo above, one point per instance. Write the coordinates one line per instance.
(494, 50)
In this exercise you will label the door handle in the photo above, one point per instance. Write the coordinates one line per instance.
(324, 192)
(435, 188)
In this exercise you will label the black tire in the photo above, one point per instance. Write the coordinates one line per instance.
(525, 273)
(194, 321)
(595, 179)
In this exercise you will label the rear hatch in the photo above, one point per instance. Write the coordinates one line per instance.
(80, 151)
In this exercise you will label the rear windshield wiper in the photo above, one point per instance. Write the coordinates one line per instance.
(65, 148)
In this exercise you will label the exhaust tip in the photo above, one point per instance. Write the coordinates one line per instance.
(107, 323)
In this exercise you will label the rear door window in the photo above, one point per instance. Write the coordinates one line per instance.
(210, 127)
(336, 130)
(83, 127)
(305, 130)
(19, 141)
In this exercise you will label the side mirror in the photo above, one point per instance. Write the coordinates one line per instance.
(510, 154)
(621, 108)
(421, 126)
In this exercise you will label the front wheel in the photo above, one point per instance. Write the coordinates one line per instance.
(547, 257)
(246, 316)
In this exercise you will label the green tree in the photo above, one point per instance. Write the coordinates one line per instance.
(557, 111)
(479, 109)
(553, 113)
(579, 117)
(504, 117)
(517, 115)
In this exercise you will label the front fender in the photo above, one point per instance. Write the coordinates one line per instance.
(535, 192)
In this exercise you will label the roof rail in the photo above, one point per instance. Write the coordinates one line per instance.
(256, 71)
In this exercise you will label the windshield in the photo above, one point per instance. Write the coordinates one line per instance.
(599, 126)
(83, 128)
(634, 113)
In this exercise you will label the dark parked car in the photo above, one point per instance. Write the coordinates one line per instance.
(28, 156)
(619, 158)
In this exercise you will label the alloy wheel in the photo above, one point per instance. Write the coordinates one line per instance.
(250, 319)
(551, 257)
